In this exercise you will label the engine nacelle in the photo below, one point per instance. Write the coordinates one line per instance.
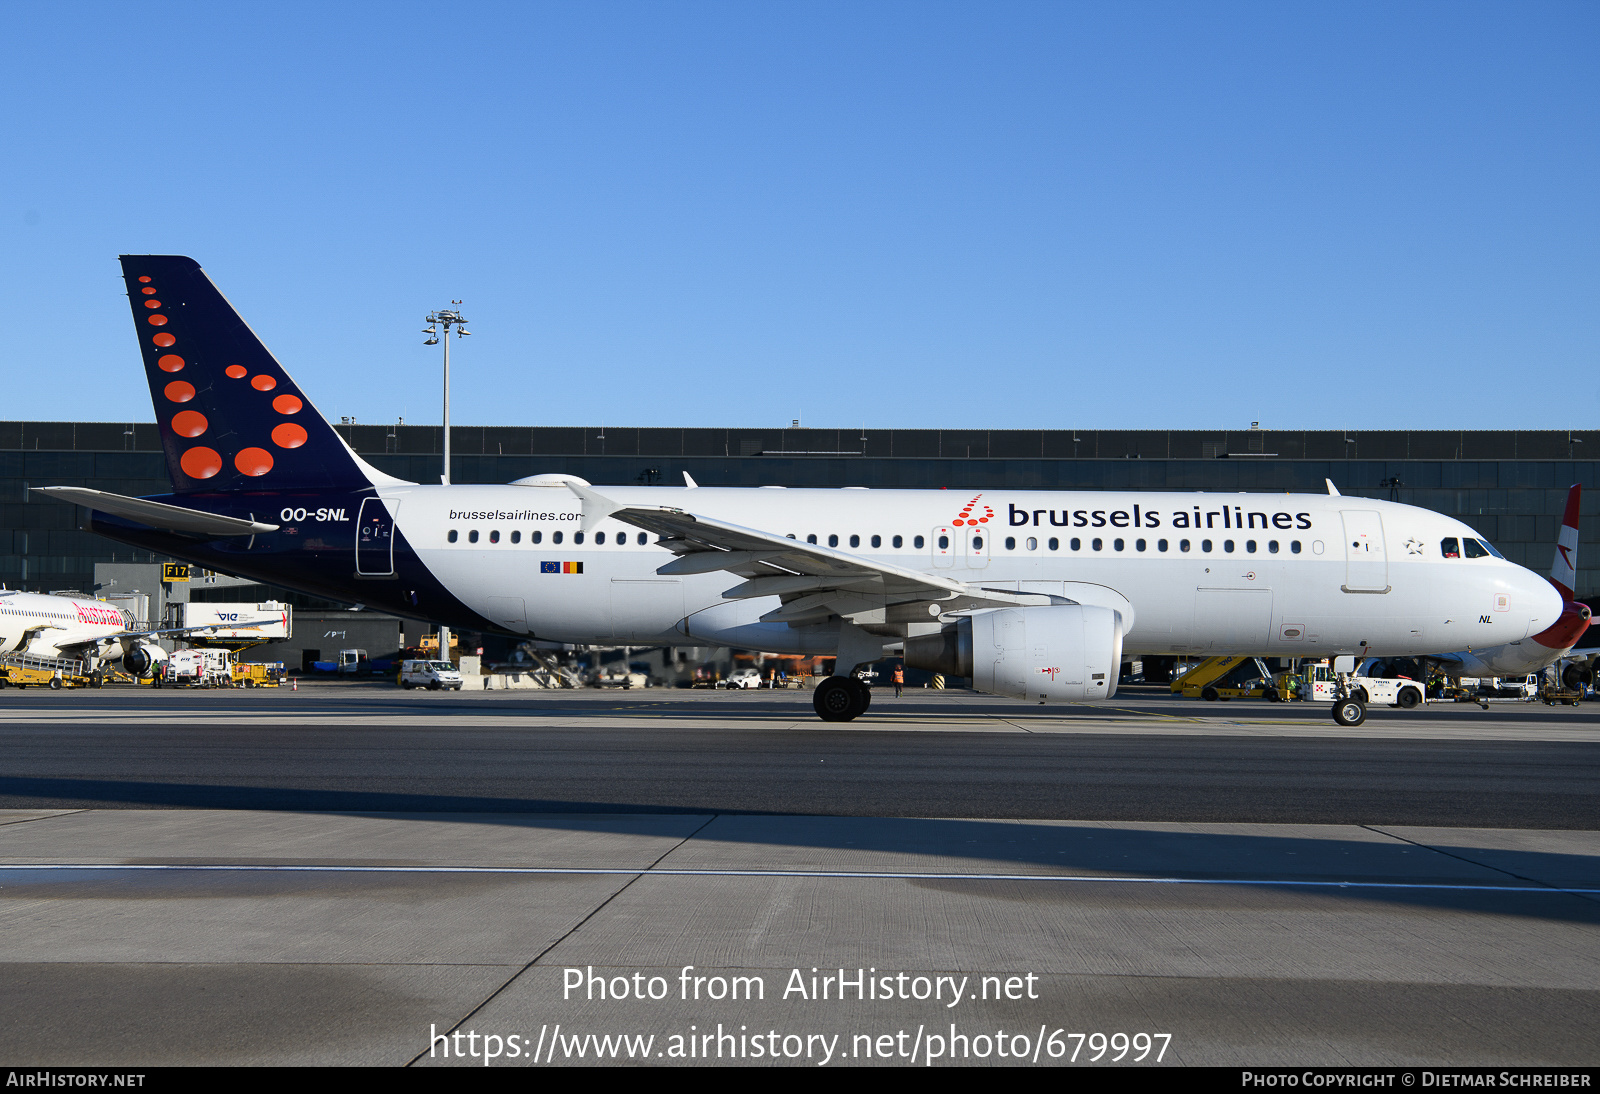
(141, 659)
(1059, 653)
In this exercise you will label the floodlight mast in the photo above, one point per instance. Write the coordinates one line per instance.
(447, 317)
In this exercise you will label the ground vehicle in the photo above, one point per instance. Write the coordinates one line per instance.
(1370, 690)
(352, 662)
(23, 670)
(743, 678)
(257, 674)
(433, 675)
(207, 668)
(1228, 678)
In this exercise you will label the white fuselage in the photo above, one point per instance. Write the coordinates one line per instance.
(60, 626)
(1280, 574)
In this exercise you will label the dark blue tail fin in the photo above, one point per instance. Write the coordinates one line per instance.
(231, 418)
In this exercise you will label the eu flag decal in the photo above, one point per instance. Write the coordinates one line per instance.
(561, 567)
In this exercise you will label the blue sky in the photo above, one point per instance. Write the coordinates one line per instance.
(1190, 215)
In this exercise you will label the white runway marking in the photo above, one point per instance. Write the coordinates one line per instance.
(868, 875)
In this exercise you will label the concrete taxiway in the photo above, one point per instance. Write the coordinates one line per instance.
(1377, 924)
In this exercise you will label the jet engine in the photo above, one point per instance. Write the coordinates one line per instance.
(141, 659)
(1056, 653)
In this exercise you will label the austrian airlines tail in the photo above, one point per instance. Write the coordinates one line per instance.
(1564, 572)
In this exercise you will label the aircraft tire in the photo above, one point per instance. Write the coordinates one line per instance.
(1349, 712)
(1408, 699)
(837, 699)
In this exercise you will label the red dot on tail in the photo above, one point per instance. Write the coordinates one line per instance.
(200, 463)
(253, 461)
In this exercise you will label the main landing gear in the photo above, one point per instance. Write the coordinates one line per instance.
(841, 698)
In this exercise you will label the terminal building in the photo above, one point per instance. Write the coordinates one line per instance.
(1509, 485)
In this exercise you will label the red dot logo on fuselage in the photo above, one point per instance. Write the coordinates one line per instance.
(970, 513)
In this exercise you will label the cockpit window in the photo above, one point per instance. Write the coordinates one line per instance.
(1473, 548)
(1451, 548)
(1487, 546)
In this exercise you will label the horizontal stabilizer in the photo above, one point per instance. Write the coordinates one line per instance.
(157, 514)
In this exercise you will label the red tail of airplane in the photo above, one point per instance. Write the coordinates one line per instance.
(1564, 572)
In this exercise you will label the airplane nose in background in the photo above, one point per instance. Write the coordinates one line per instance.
(1543, 603)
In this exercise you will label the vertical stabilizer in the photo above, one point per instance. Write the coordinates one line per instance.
(1564, 572)
(231, 418)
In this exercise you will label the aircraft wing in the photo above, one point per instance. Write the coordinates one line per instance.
(121, 635)
(157, 514)
(813, 582)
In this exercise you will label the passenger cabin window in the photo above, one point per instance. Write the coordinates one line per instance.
(812, 538)
(600, 539)
(1451, 548)
(917, 543)
(1183, 545)
(1054, 544)
(877, 541)
(977, 543)
(1272, 546)
(833, 541)
(1138, 544)
(453, 536)
(1011, 543)
(1033, 544)
(944, 542)
(472, 536)
(1097, 544)
(855, 541)
(494, 536)
(898, 541)
(1227, 545)
(1077, 544)
(644, 539)
(1205, 545)
(577, 537)
(555, 537)
(1161, 545)
(516, 537)
(1473, 549)
(535, 537)
(1294, 546)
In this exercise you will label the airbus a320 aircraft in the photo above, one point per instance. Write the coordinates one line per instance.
(1032, 595)
(91, 631)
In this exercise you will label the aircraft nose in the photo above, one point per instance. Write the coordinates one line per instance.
(1543, 603)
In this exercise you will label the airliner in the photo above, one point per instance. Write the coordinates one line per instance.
(1033, 595)
(93, 632)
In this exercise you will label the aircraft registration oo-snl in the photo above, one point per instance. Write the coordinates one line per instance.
(1032, 595)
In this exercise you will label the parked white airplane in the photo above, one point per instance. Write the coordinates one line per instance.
(1030, 594)
(91, 631)
(1536, 651)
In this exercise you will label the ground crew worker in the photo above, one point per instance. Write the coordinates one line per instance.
(899, 679)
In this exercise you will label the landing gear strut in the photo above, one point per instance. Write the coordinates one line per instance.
(841, 699)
